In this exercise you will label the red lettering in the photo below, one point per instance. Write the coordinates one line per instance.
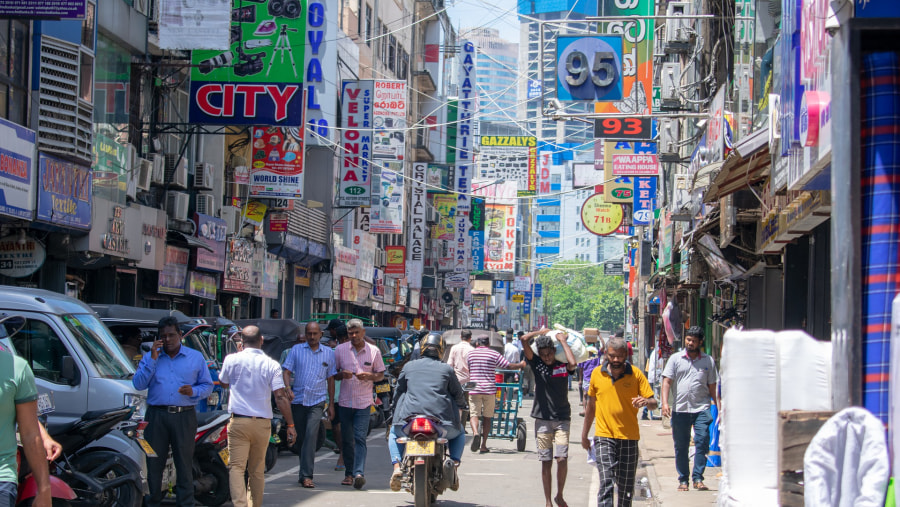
(281, 98)
(203, 102)
(353, 93)
(353, 107)
(250, 92)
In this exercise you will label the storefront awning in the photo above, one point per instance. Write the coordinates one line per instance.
(748, 164)
(192, 242)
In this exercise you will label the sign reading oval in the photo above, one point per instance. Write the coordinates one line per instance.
(599, 217)
(20, 258)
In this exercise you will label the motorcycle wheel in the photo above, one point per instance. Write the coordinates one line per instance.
(521, 435)
(220, 493)
(271, 456)
(423, 497)
(104, 466)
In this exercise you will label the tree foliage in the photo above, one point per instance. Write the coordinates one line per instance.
(580, 297)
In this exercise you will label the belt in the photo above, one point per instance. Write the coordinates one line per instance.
(249, 417)
(173, 409)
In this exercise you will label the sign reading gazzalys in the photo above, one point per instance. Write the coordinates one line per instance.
(356, 144)
(259, 80)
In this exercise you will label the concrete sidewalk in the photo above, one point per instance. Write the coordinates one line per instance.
(658, 461)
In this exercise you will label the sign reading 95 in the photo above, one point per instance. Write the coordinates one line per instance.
(589, 68)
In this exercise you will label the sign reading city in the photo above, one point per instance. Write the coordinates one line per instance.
(589, 68)
(259, 79)
(599, 217)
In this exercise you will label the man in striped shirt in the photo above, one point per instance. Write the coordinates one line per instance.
(483, 361)
(359, 365)
(314, 368)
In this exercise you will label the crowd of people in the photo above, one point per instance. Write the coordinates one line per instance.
(336, 379)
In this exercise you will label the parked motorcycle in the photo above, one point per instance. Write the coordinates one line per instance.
(427, 467)
(60, 492)
(210, 462)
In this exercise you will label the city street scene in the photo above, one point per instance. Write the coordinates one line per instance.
(465, 253)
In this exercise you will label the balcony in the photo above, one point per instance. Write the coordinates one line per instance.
(421, 153)
(429, 7)
(423, 82)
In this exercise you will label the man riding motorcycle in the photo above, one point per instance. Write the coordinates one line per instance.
(428, 386)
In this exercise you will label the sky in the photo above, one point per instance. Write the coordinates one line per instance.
(499, 14)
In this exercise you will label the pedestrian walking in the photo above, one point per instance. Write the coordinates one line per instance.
(313, 368)
(18, 408)
(551, 411)
(251, 377)
(511, 353)
(695, 377)
(339, 335)
(482, 362)
(359, 365)
(459, 355)
(176, 379)
(616, 392)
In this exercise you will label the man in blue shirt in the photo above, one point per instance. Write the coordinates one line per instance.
(175, 381)
(314, 368)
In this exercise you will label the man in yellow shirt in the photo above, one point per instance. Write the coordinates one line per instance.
(617, 391)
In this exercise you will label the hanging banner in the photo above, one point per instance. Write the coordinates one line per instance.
(637, 54)
(238, 266)
(389, 117)
(365, 245)
(258, 81)
(321, 71)
(202, 285)
(64, 193)
(445, 204)
(211, 232)
(599, 217)
(386, 214)
(254, 212)
(271, 276)
(500, 228)
(465, 156)
(476, 234)
(277, 170)
(644, 200)
(198, 24)
(395, 260)
(511, 158)
(356, 145)
(16, 170)
(415, 263)
(173, 275)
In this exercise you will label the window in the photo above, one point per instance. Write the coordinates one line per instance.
(368, 26)
(14, 39)
(403, 64)
(40, 346)
(87, 26)
(86, 77)
(384, 44)
(379, 42)
(392, 53)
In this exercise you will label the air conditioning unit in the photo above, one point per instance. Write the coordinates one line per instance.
(177, 205)
(678, 31)
(206, 204)
(145, 174)
(158, 176)
(432, 215)
(668, 140)
(669, 80)
(232, 218)
(176, 171)
(203, 176)
(380, 259)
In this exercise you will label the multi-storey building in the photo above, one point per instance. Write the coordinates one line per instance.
(497, 77)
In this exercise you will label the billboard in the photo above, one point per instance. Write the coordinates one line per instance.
(589, 68)
(511, 158)
(16, 170)
(277, 170)
(587, 175)
(445, 204)
(258, 80)
(389, 117)
(356, 145)
(64, 193)
(200, 24)
(500, 231)
(637, 54)
(386, 214)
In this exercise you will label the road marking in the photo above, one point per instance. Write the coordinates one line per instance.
(481, 474)
(279, 475)
(328, 454)
(376, 492)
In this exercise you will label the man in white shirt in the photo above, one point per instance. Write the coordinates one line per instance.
(252, 376)
(511, 353)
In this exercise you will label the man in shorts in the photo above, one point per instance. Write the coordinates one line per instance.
(482, 362)
(551, 410)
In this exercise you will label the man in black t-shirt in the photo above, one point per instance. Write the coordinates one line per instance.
(551, 410)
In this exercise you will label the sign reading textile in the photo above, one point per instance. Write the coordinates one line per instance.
(64, 193)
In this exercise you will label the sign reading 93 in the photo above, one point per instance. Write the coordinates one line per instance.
(589, 68)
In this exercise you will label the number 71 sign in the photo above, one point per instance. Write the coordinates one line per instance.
(589, 68)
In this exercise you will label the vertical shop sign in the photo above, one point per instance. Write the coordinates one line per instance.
(389, 120)
(64, 193)
(258, 80)
(277, 170)
(476, 234)
(16, 170)
(465, 131)
(356, 144)
(637, 59)
(415, 263)
(173, 275)
(500, 229)
(387, 210)
(321, 71)
(644, 200)
(365, 246)
(544, 159)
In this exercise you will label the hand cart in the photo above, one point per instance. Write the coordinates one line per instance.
(507, 424)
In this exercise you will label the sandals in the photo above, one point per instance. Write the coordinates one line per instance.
(308, 483)
(476, 443)
(359, 481)
(339, 468)
(348, 481)
(396, 479)
(699, 486)
(684, 487)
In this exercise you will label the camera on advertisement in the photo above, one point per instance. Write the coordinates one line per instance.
(285, 8)
(216, 62)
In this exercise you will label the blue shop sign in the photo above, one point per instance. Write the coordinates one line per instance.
(877, 9)
(16, 170)
(64, 193)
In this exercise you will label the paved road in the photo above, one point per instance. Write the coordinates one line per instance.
(502, 477)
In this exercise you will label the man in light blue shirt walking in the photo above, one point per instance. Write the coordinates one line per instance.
(313, 368)
(176, 381)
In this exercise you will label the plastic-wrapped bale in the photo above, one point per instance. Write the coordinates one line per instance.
(804, 375)
(749, 420)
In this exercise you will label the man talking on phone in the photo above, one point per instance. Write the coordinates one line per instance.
(176, 378)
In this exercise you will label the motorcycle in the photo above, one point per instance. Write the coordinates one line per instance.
(275, 440)
(210, 460)
(60, 492)
(427, 468)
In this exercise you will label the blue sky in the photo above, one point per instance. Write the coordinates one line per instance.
(499, 14)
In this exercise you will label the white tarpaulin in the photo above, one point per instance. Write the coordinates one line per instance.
(195, 24)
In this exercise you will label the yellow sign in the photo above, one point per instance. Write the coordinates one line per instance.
(255, 212)
(518, 298)
(519, 141)
(600, 217)
(617, 189)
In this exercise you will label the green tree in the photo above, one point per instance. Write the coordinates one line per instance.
(579, 297)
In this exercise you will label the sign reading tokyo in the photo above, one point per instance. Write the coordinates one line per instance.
(258, 81)
(590, 68)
